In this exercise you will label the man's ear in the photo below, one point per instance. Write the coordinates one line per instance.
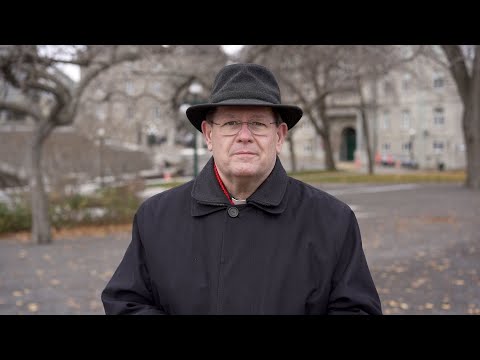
(207, 134)
(282, 131)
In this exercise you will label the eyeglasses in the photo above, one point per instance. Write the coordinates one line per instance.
(233, 127)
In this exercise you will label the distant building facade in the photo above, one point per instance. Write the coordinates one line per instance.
(414, 118)
(67, 154)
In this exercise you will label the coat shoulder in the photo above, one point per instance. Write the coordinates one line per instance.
(166, 198)
(312, 195)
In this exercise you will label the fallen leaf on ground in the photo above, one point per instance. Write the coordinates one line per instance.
(32, 307)
(40, 272)
(95, 305)
(47, 257)
(392, 303)
(419, 282)
(71, 302)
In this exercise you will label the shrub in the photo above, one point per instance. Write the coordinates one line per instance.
(16, 218)
(115, 205)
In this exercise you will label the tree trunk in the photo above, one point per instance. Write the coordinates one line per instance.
(327, 148)
(366, 132)
(366, 137)
(41, 232)
(325, 134)
(327, 144)
(291, 148)
(471, 132)
(473, 170)
(469, 90)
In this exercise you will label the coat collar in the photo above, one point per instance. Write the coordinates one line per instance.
(208, 197)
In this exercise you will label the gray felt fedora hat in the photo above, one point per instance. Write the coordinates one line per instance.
(245, 84)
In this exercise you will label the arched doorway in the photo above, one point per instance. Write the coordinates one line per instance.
(348, 144)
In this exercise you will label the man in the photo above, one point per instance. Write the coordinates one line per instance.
(243, 237)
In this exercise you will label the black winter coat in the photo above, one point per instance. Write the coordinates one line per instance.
(292, 249)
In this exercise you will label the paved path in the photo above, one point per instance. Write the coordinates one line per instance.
(422, 243)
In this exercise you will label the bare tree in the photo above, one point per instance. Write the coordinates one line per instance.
(191, 64)
(125, 103)
(310, 74)
(464, 65)
(313, 75)
(151, 95)
(364, 65)
(47, 98)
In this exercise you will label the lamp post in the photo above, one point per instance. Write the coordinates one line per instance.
(412, 133)
(101, 137)
(195, 89)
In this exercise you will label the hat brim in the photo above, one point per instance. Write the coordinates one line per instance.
(290, 114)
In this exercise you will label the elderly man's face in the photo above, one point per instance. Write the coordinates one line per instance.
(244, 154)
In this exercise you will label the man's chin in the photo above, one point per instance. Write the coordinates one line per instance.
(245, 171)
(244, 174)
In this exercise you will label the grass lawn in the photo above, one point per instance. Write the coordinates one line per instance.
(347, 177)
(350, 177)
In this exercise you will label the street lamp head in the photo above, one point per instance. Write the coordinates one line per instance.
(195, 88)
(101, 132)
(412, 132)
(183, 108)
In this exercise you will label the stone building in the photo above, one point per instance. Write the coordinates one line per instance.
(414, 119)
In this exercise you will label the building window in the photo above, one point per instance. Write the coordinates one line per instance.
(16, 116)
(470, 52)
(438, 117)
(100, 114)
(386, 146)
(406, 82)
(388, 87)
(157, 87)
(129, 66)
(438, 81)
(406, 146)
(156, 112)
(386, 120)
(130, 112)
(307, 149)
(3, 116)
(438, 146)
(129, 87)
(405, 119)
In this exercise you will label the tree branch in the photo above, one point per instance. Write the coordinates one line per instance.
(257, 52)
(25, 107)
(143, 95)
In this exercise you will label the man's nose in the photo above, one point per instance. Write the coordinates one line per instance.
(244, 132)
